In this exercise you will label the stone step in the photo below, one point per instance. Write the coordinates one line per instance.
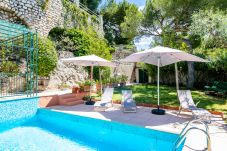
(71, 99)
(69, 95)
(74, 102)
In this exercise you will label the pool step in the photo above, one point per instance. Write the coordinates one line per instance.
(71, 99)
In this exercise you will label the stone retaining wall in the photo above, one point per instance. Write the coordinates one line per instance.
(33, 15)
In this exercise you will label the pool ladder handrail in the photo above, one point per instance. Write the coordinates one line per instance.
(185, 131)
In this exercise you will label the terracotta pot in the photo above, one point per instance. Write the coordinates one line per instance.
(98, 87)
(86, 88)
(75, 90)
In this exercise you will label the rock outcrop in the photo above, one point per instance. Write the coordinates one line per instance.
(66, 74)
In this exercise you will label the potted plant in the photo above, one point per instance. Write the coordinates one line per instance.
(113, 81)
(123, 80)
(87, 84)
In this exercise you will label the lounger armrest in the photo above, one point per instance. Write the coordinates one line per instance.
(197, 103)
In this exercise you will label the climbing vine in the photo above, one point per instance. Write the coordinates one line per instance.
(76, 17)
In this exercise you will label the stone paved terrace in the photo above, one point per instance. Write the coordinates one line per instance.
(169, 122)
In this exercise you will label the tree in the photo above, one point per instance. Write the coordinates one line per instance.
(210, 26)
(163, 18)
(131, 23)
(162, 15)
(120, 19)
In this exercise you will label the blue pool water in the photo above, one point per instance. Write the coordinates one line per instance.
(44, 130)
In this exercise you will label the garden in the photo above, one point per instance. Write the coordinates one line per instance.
(200, 29)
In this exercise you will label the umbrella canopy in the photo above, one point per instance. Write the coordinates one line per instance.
(90, 60)
(166, 55)
(162, 56)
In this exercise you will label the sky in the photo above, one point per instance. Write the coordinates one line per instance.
(144, 42)
(139, 3)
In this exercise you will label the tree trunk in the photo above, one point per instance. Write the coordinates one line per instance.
(191, 75)
(191, 68)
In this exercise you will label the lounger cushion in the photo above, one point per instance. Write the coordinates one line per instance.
(129, 103)
(106, 98)
(99, 103)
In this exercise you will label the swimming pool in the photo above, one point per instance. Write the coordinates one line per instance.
(47, 130)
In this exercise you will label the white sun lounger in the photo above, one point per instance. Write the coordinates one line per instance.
(186, 102)
(106, 100)
(128, 103)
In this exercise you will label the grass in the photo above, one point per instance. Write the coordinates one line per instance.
(168, 96)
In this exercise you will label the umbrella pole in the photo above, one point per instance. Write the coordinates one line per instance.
(100, 79)
(158, 111)
(91, 77)
(158, 80)
(176, 74)
(90, 102)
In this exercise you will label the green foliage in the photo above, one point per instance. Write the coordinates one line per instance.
(123, 78)
(56, 33)
(217, 58)
(118, 17)
(105, 75)
(89, 83)
(9, 67)
(210, 25)
(91, 4)
(6, 65)
(47, 57)
(197, 27)
(82, 42)
(75, 14)
(165, 15)
(131, 23)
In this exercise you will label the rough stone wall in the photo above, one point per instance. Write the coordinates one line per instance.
(50, 17)
(31, 14)
(66, 74)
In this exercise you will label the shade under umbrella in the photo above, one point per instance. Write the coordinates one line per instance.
(90, 60)
(162, 56)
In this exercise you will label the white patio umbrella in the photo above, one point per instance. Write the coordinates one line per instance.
(162, 56)
(90, 60)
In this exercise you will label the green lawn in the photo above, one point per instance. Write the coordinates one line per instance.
(168, 96)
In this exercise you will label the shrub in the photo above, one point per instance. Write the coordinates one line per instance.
(47, 57)
(89, 83)
(81, 42)
(9, 67)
